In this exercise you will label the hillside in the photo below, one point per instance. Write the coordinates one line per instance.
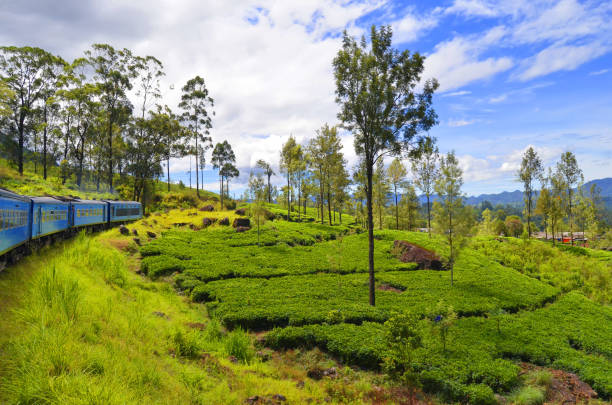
(301, 290)
(516, 197)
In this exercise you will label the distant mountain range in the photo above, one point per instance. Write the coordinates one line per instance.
(516, 197)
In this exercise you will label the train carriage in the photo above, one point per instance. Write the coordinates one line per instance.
(14, 220)
(49, 216)
(88, 212)
(121, 211)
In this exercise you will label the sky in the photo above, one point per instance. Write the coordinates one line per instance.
(512, 74)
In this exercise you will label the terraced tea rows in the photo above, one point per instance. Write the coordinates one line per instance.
(308, 283)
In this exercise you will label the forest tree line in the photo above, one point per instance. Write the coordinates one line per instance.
(101, 118)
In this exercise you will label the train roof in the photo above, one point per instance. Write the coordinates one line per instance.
(122, 202)
(9, 194)
(88, 202)
(48, 200)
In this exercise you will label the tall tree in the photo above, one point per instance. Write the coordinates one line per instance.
(425, 170)
(22, 71)
(544, 203)
(452, 219)
(530, 171)
(568, 168)
(287, 165)
(52, 76)
(396, 172)
(409, 205)
(375, 88)
(114, 72)
(558, 200)
(229, 171)
(269, 172)
(197, 105)
(258, 194)
(221, 156)
(381, 190)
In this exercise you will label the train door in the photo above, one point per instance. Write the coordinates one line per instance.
(39, 221)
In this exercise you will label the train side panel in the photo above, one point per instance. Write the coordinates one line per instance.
(14, 221)
(85, 213)
(124, 211)
(49, 216)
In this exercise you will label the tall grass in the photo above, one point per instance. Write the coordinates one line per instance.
(83, 329)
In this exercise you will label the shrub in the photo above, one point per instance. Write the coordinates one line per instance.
(185, 344)
(528, 395)
(238, 344)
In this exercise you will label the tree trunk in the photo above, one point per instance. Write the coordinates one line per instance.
(21, 141)
(269, 189)
(168, 170)
(396, 209)
(110, 152)
(428, 217)
(198, 167)
(329, 204)
(369, 169)
(529, 217)
(288, 196)
(570, 216)
(221, 191)
(45, 146)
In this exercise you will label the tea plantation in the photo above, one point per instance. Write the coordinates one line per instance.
(306, 284)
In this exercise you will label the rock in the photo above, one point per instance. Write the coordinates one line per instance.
(315, 373)
(279, 397)
(224, 221)
(300, 384)
(243, 222)
(160, 314)
(408, 252)
(240, 211)
(151, 234)
(206, 222)
(137, 241)
(264, 355)
(134, 232)
(123, 230)
(208, 208)
(233, 359)
(252, 400)
(242, 228)
(192, 214)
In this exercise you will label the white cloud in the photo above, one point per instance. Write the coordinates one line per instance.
(498, 99)
(460, 122)
(599, 72)
(560, 57)
(457, 93)
(411, 26)
(458, 62)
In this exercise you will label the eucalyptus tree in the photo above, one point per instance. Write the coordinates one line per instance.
(197, 105)
(568, 169)
(376, 90)
(114, 72)
(223, 155)
(424, 166)
(22, 70)
(451, 218)
(145, 152)
(396, 173)
(52, 76)
(229, 171)
(530, 171)
(258, 196)
(172, 135)
(287, 166)
(269, 172)
(381, 190)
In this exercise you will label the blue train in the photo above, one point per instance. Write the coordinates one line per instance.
(27, 221)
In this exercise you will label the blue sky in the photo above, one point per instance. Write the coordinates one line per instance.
(513, 73)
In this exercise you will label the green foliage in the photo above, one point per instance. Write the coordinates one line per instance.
(185, 343)
(403, 336)
(566, 267)
(238, 344)
(529, 395)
